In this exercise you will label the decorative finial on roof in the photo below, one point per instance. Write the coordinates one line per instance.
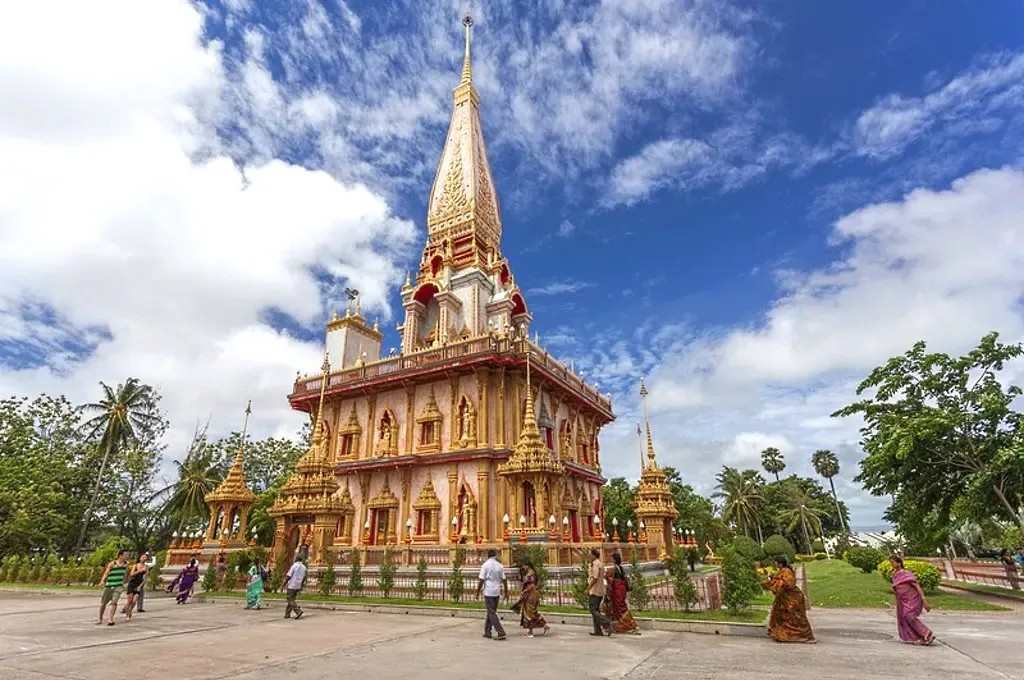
(647, 426)
(467, 64)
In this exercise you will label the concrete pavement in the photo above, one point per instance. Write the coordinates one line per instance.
(53, 636)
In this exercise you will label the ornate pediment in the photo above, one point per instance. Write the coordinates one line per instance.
(427, 499)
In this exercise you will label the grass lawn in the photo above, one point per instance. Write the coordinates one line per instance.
(749, 616)
(987, 589)
(836, 584)
(48, 586)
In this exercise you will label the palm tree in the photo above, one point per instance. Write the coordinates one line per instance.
(772, 461)
(826, 464)
(742, 495)
(124, 415)
(803, 513)
(198, 474)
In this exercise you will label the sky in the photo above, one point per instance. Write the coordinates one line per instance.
(749, 204)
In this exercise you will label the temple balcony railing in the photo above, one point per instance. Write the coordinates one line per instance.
(468, 349)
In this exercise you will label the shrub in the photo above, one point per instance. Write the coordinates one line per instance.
(37, 570)
(534, 555)
(747, 547)
(818, 546)
(328, 577)
(230, 580)
(153, 575)
(1012, 538)
(420, 587)
(741, 582)
(639, 596)
(209, 579)
(820, 556)
(280, 569)
(355, 575)
(386, 575)
(581, 582)
(105, 553)
(455, 583)
(684, 590)
(927, 575)
(865, 559)
(776, 545)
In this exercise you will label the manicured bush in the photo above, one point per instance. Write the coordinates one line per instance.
(639, 596)
(683, 588)
(865, 559)
(741, 582)
(820, 556)
(209, 581)
(355, 575)
(818, 546)
(456, 586)
(328, 577)
(420, 587)
(747, 547)
(386, 575)
(581, 582)
(927, 574)
(776, 545)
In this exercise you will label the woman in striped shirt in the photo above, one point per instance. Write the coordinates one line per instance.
(113, 585)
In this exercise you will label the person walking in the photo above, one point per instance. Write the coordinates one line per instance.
(136, 579)
(788, 620)
(294, 580)
(254, 591)
(910, 600)
(186, 580)
(617, 599)
(528, 605)
(113, 585)
(150, 564)
(493, 584)
(1010, 567)
(596, 589)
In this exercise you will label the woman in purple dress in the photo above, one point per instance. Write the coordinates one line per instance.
(910, 600)
(185, 581)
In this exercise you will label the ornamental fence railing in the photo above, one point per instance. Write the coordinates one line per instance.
(983, 572)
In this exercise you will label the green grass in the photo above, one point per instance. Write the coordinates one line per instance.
(836, 584)
(986, 589)
(754, 615)
(47, 586)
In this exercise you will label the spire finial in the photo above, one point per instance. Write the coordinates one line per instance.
(467, 65)
(647, 426)
(245, 426)
(326, 368)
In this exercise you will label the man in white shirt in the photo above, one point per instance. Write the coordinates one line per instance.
(294, 581)
(494, 585)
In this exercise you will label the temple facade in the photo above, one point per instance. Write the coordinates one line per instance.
(471, 434)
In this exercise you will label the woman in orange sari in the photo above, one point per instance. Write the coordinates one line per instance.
(617, 600)
(528, 605)
(788, 622)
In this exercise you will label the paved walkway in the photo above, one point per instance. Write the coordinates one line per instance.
(48, 636)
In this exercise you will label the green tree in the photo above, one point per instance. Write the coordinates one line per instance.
(355, 576)
(581, 581)
(772, 461)
(209, 581)
(420, 586)
(639, 594)
(617, 503)
(940, 429)
(776, 545)
(803, 513)
(696, 512)
(198, 474)
(826, 464)
(122, 415)
(742, 493)
(386, 575)
(741, 583)
(456, 586)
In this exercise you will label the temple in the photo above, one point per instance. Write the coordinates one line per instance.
(471, 434)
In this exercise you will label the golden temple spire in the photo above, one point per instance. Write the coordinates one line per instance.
(467, 63)
(318, 423)
(647, 427)
(233, 487)
(530, 453)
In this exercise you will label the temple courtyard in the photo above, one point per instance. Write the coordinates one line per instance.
(53, 636)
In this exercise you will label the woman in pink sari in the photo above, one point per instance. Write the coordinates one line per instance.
(910, 601)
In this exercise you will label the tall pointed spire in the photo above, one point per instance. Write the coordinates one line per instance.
(233, 487)
(647, 427)
(530, 454)
(467, 62)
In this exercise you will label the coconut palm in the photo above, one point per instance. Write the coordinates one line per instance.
(198, 474)
(124, 416)
(772, 461)
(802, 512)
(826, 464)
(742, 494)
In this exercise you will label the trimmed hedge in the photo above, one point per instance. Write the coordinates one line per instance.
(776, 545)
(865, 559)
(927, 575)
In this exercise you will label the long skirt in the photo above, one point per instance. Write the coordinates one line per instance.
(618, 608)
(530, 616)
(254, 594)
(909, 606)
(788, 622)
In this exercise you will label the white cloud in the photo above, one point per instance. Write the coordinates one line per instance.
(566, 229)
(132, 247)
(560, 288)
(976, 101)
(943, 266)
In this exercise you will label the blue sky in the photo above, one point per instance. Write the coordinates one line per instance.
(751, 204)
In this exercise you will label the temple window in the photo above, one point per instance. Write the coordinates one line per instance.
(429, 426)
(348, 436)
(428, 433)
(346, 449)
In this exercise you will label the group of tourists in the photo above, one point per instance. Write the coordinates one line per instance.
(607, 593)
(122, 576)
(788, 621)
